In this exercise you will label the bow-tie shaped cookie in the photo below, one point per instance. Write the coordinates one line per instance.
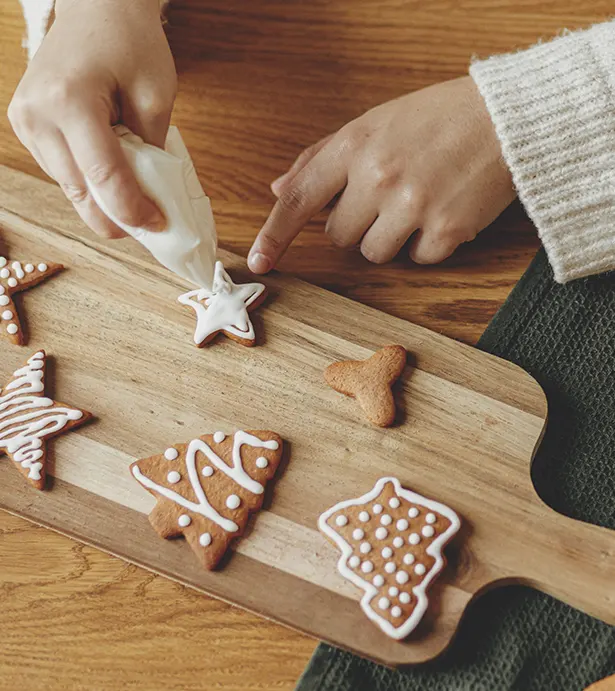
(370, 381)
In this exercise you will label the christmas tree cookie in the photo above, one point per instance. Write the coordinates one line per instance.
(207, 488)
(28, 419)
(391, 541)
(15, 277)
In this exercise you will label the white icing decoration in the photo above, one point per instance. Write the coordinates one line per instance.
(233, 501)
(382, 533)
(364, 516)
(205, 540)
(384, 603)
(398, 542)
(5, 273)
(428, 531)
(402, 524)
(17, 270)
(394, 503)
(414, 539)
(419, 569)
(341, 521)
(7, 314)
(396, 611)
(365, 548)
(2, 261)
(174, 477)
(27, 417)
(434, 550)
(4, 300)
(224, 308)
(377, 508)
(12, 282)
(393, 591)
(358, 534)
(171, 454)
(207, 471)
(2, 290)
(367, 567)
(408, 559)
(390, 567)
(386, 519)
(219, 437)
(184, 520)
(354, 561)
(413, 512)
(430, 518)
(236, 473)
(29, 268)
(387, 552)
(261, 462)
(12, 329)
(42, 267)
(401, 577)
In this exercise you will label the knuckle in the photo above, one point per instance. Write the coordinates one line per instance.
(101, 173)
(384, 175)
(21, 113)
(60, 93)
(155, 105)
(76, 194)
(293, 200)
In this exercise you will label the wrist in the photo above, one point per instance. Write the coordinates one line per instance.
(146, 8)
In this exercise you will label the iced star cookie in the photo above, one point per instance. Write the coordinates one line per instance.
(370, 382)
(391, 541)
(15, 277)
(28, 419)
(224, 308)
(207, 488)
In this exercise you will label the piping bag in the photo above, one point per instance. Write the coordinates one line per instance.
(189, 244)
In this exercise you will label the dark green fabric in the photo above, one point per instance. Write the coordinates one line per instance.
(517, 638)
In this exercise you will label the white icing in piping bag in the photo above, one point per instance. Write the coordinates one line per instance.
(189, 244)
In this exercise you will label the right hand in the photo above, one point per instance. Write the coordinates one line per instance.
(103, 62)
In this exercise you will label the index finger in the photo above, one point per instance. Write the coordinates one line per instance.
(311, 190)
(99, 156)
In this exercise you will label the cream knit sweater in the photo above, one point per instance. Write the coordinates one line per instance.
(553, 107)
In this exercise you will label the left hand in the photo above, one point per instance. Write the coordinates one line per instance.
(428, 164)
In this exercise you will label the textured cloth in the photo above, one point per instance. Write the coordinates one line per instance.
(553, 107)
(515, 637)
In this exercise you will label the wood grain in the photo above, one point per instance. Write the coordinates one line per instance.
(257, 83)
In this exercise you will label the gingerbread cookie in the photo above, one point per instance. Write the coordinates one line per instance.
(391, 541)
(224, 308)
(370, 381)
(207, 488)
(28, 418)
(15, 277)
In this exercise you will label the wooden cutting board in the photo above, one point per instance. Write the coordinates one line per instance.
(122, 348)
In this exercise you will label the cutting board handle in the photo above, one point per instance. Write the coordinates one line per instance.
(579, 565)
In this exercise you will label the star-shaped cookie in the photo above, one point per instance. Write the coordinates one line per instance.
(28, 419)
(224, 308)
(14, 277)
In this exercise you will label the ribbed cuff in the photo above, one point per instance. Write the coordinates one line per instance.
(553, 107)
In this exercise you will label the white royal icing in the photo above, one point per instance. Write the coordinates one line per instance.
(364, 516)
(5, 273)
(219, 437)
(402, 524)
(396, 611)
(365, 548)
(387, 552)
(393, 591)
(184, 520)
(358, 534)
(17, 270)
(381, 533)
(205, 540)
(236, 472)
(398, 541)
(224, 307)
(434, 549)
(12, 329)
(42, 267)
(261, 462)
(341, 521)
(428, 531)
(4, 300)
(430, 518)
(2, 261)
(207, 471)
(233, 501)
(171, 454)
(414, 539)
(12, 282)
(27, 417)
(174, 477)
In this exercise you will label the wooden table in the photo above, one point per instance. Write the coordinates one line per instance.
(258, 81)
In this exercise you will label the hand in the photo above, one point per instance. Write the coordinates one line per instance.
(427, 165)
(103, 62)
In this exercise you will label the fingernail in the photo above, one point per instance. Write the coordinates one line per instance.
(258, 263)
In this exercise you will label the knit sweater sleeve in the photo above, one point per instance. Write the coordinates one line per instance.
(553, 107)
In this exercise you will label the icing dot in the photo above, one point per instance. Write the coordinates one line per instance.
(207, 471)
(396, 611)
(42, 267)
(5, 273)
(408, 559)
(413, 512)
(430, 518)
(29, 268)
(404, 597)
(274, 445)
(394, 503)
(205, 540)
(414, 539)
(219, 437)
(381, 533)
(419, 569)
(428, 531)
(4, 300)
(171, 454)
(12, 328)
(364, 516)
(174, 477)
(401, 577)
(386, 520)
(398, 542)
(377, 508)
(7, 314)
(378, 580)
(341, 521)
(367, 567)
(184, 520)
(384, 603)
(12, 282)
(354, 562)
(2, 290)
(358, 534)
(261, 462)
(365, 548)
(402, 524)
(233, 501)
(2, 261)
(387, 552)
(390, 567)
(393, 591)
